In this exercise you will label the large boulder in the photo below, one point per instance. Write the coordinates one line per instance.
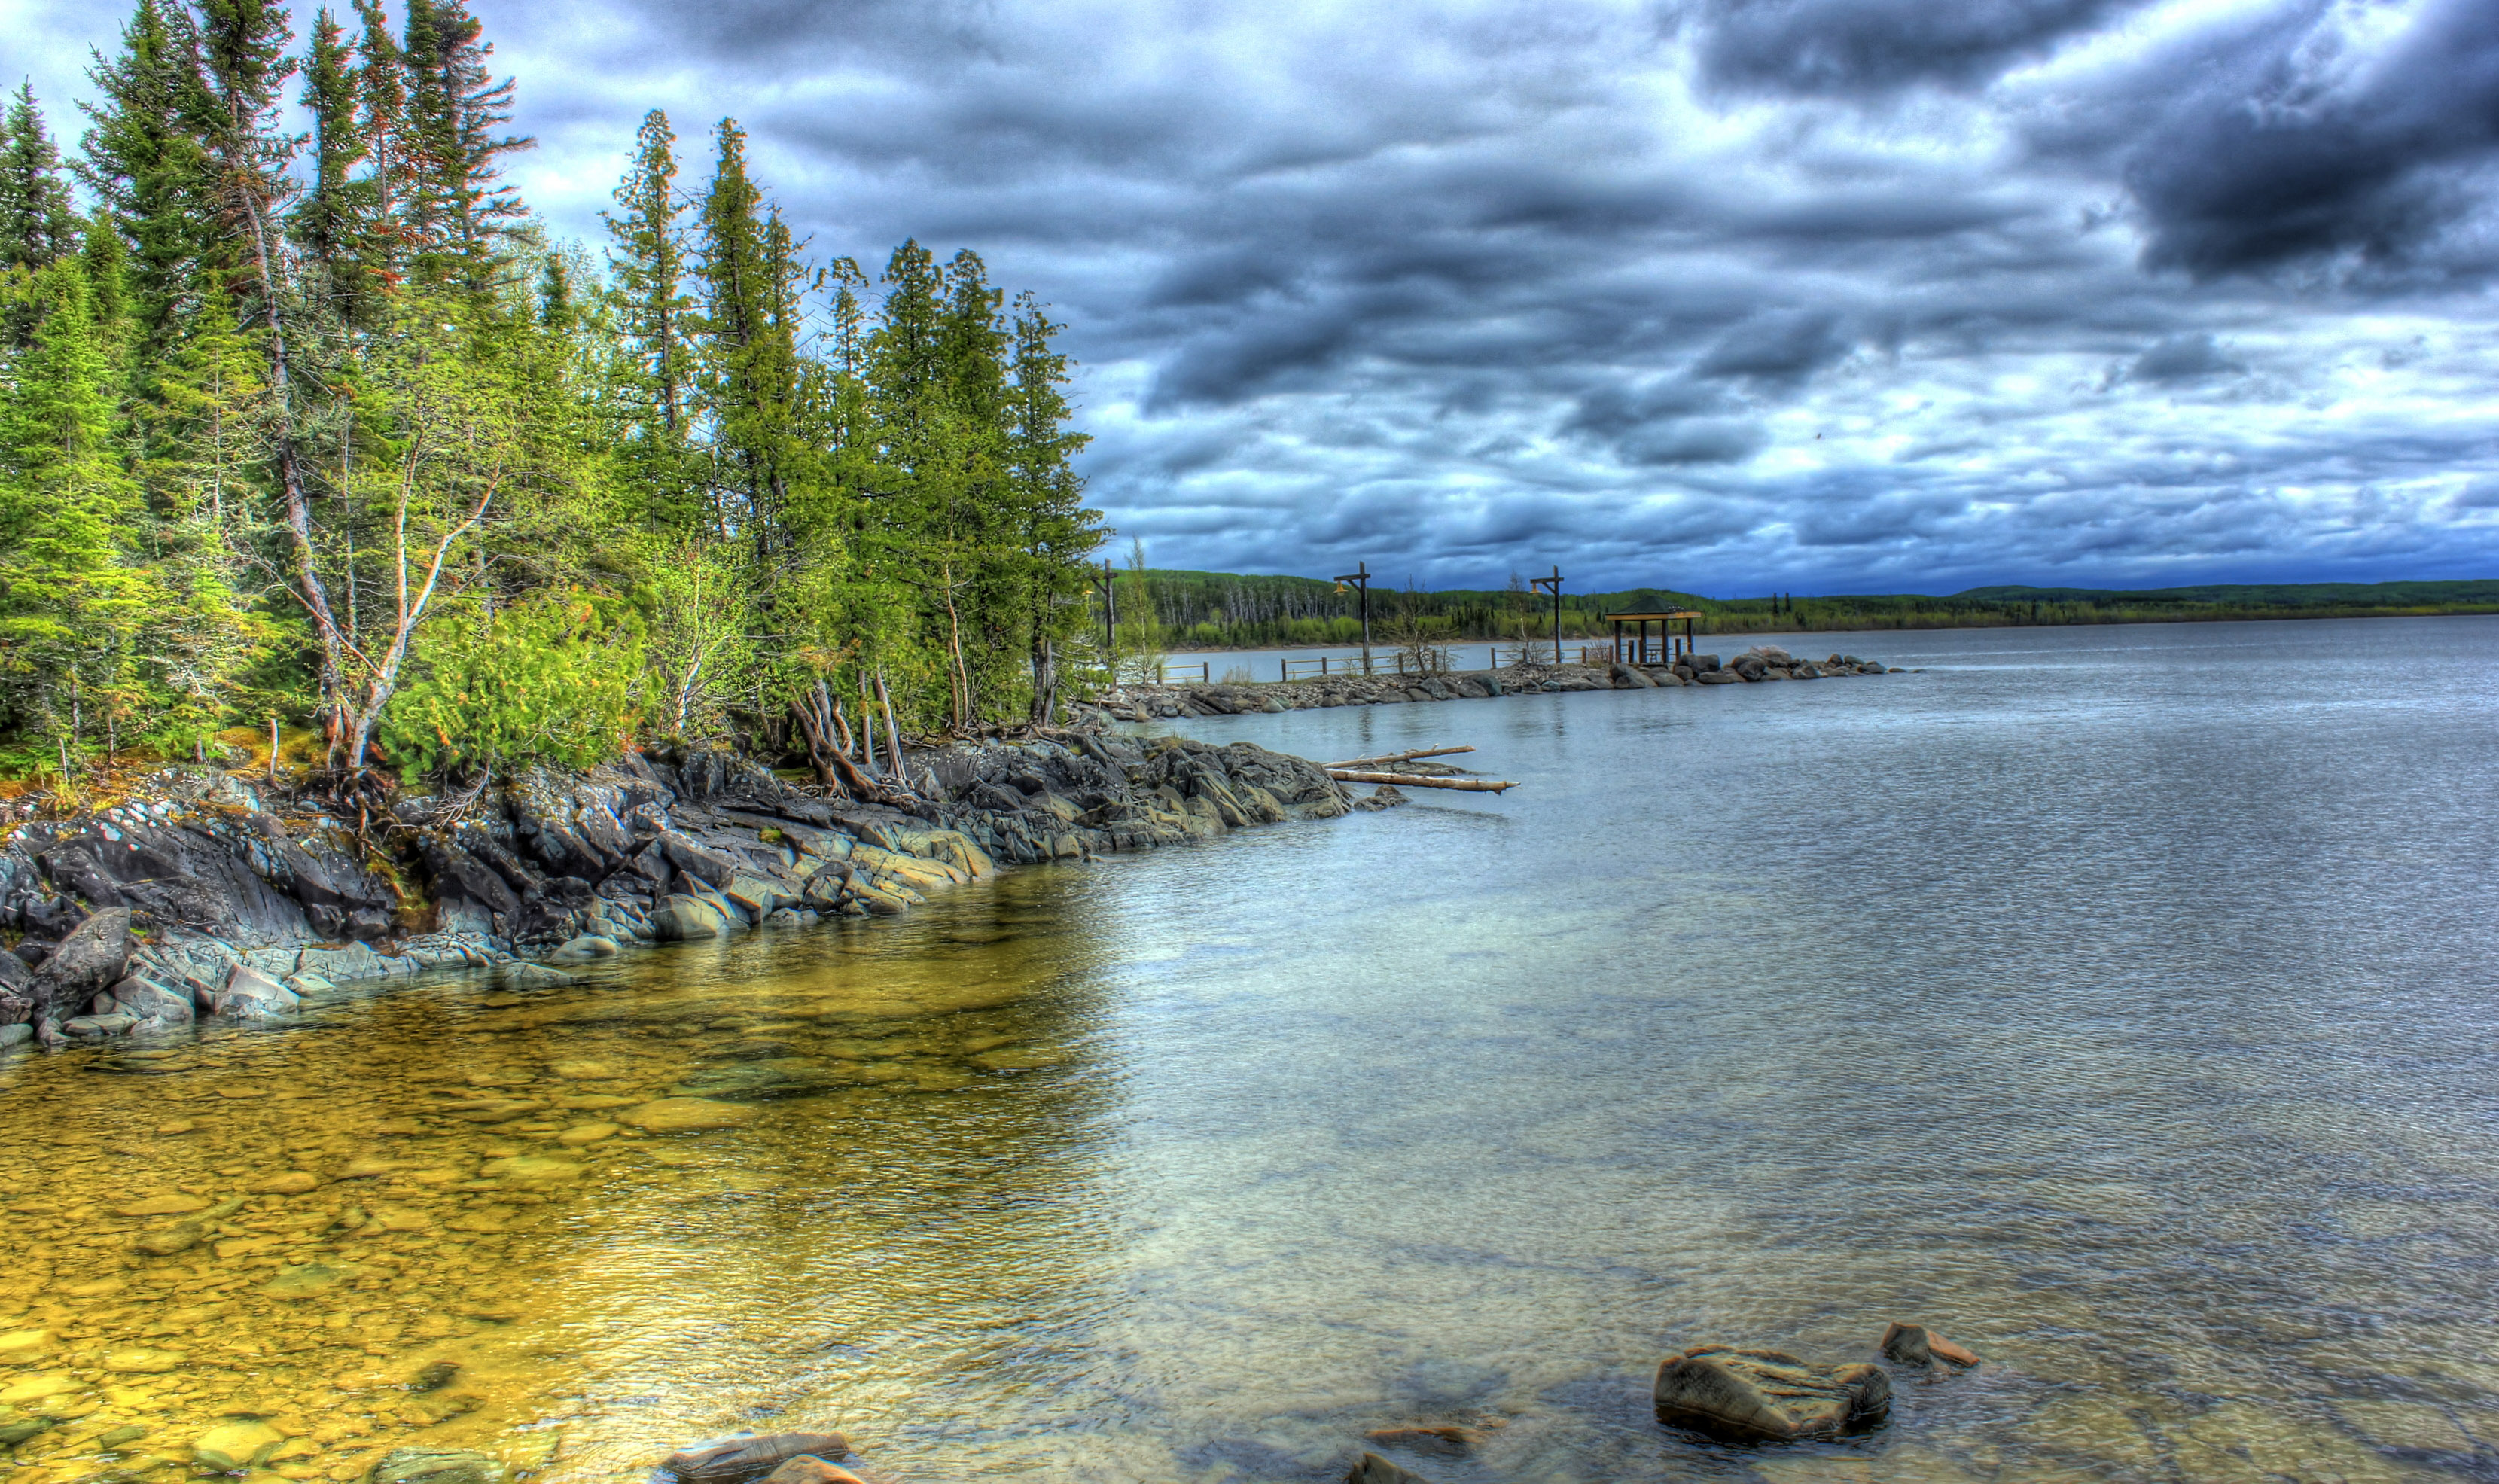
(251, 995)
(736, 1460)
(1767, 1396)
(679, 919)
(1625, 678)
(149, 1000)
(92, 959)
(710, 867)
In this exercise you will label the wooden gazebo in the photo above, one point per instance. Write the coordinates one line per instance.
(1637, 647)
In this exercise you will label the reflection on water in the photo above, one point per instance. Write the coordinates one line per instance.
(2115, 1001)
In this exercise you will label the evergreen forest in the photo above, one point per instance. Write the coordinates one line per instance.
(304, 418)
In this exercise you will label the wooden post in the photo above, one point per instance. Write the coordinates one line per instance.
(1110, 621)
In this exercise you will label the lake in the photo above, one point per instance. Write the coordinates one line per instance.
(2117, 1001)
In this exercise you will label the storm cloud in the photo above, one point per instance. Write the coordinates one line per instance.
(1723, 294)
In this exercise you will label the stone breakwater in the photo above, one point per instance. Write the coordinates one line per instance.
(1143, 703)
(217, 898)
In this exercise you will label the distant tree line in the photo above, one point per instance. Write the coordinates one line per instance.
(325, 426)
(1222, 610)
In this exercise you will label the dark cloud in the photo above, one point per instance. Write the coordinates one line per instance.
(2183, 358)
(1855, 47)
(1782, 346)
(2303, 142)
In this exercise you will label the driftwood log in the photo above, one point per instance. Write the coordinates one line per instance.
(1420, 752)
(1418, 781)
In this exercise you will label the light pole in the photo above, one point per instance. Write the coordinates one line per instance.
(1553, 585)
(1361, 580)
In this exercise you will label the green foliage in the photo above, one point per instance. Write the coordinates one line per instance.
(554, 679)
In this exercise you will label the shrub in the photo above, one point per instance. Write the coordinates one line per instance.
(544, 680)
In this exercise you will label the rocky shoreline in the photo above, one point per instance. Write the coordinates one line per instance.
(1763, 662)
(211, 895)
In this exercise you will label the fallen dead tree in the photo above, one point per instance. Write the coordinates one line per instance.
(1420, 752)
(1418, 781)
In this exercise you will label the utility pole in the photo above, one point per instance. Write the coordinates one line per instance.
(1361, 580)
(1553, 585)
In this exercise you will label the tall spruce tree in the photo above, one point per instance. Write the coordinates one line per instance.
(145, 159)
(37, 223)
(459, 209)
(70, 605)
(750, 283)
(382, 117)
(334, 218)
(646, 259)
(1047, 499)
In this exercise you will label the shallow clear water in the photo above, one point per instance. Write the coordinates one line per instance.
(2117, 1001)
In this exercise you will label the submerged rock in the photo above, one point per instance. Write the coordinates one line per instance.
(1765, 1396)
(1372, 1469)
(1442, 1441)
(807, 1469)
(589, 948)
(529, 976)
(686, 1115)
(736, 1460)
(237, 1445)
(436, 1466)
(1914, 1344)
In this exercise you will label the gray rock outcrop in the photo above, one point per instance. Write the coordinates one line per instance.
(89, 961)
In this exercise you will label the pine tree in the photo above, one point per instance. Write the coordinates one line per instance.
(647, 261)
(146, 160)
(37, 224)
(382, 117)
(459, 209)
(1047, 498)
(70, 606)
(750, 283)
(334, 218)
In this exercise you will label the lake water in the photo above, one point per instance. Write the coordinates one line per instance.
(2117, 1001)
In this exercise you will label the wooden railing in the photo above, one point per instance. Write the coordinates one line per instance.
(1504, 655)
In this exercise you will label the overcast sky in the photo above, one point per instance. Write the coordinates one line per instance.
(1718, 294)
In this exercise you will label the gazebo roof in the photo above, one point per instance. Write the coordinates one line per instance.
(1669, 613)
